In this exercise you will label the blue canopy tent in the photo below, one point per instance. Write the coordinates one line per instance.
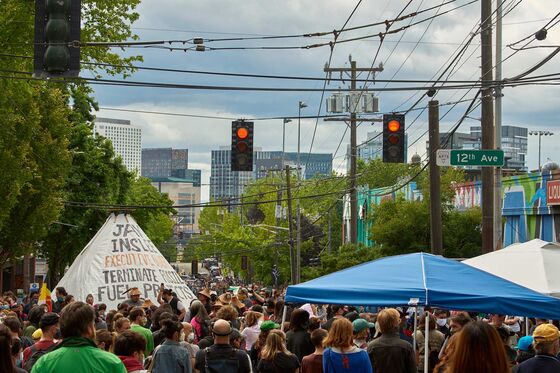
(435, 281)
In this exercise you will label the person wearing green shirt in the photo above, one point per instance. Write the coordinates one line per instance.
(137, 318)
(77, 352)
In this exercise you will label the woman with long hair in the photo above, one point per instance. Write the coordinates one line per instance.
(479, 349)
(341, 355)
(170, 356)
(275, 357)
(199, 320)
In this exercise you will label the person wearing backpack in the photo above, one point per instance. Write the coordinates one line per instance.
(170, 356)
(49, 327)
(221, 357)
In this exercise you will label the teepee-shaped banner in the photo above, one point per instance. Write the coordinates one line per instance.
(119, 257)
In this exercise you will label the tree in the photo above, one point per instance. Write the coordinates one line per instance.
(345, 256)
(40, 136)
(156, 223)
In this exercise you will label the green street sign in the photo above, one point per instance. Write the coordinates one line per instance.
(483, 158)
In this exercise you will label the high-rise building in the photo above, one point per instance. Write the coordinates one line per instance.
(164, 162)
(182, 192)
(226, 184)
(126, 139)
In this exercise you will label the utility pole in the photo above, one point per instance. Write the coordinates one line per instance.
(498, 130)
(487, 124)
(353, 70)
(290, 226)
(436, 239)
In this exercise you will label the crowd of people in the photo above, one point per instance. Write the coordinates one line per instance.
(248, 329)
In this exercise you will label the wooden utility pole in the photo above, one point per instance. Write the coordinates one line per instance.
(291, 227)
(436, 239)
(487, 124)
(353, 70)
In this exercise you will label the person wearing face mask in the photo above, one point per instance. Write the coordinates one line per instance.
(49, 328)
(77, 352)
(129, 347)
(442, 321)
(60, 295)
(138, 319)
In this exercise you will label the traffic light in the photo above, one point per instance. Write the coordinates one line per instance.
(194, 267)
(244, 265)
(394, 144)
(241, 146)
(57, 37)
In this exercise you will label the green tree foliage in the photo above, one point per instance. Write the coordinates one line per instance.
(43, 142)
(377, 174)
(156, 223)
(403, 226)
(34, 160)
(345, 256)
(255, 231)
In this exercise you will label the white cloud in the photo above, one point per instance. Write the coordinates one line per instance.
(534, 107)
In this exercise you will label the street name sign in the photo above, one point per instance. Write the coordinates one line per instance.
(462, 157)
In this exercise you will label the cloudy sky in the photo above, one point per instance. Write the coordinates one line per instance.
(415, 53)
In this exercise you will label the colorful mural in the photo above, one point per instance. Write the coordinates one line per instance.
(525, 211)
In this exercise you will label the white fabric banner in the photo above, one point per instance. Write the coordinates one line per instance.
(119, 257)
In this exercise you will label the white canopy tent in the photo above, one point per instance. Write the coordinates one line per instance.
(534, 264)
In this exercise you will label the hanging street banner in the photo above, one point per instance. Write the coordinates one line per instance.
(466, 157)
(119, 257)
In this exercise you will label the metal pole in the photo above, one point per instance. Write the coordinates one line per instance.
(290, 225)
(301, 105)
(426, 341)
(415, 329)
(353, 145)
(436, 239)
(487, 124)
(498, 131)
(540, 134)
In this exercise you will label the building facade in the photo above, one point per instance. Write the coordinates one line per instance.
(126, 139)
(164, 162)
(182, 192)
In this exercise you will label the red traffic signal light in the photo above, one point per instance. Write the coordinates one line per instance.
(242, 146)
(394, 144)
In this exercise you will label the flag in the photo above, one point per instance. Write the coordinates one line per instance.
(45, 297)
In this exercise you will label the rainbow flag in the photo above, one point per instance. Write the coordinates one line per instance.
(45, 297)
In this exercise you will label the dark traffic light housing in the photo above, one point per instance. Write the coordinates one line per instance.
(241, 146)
(394, 144)
(57, 38)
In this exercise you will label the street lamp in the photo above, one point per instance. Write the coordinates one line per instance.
(540, 134)
(301, 105)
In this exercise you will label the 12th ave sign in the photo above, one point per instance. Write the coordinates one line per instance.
(461, 157)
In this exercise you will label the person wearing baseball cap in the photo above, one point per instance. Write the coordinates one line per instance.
(361, 329)
(546, 341)
(524, 349)
(49, 328)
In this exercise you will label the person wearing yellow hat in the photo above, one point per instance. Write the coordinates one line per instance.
(546, 341)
